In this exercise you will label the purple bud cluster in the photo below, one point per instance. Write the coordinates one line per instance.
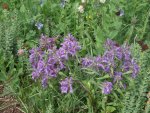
(107, 87)
(115, 61)
(47, 60)
(66, 85)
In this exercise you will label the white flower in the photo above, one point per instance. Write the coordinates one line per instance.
(83, 1)
(81, 9)
(102, 1)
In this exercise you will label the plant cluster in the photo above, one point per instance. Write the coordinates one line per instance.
(115, 62)
(105, 69)
(48, 60)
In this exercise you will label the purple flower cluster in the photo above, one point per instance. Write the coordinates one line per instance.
(47, 43)
(107, 87)
(66, 85)
(47, 60)
(68, 48)
(115, 61)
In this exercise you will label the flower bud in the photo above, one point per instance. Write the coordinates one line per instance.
(83, 1)
(20, 52)
(81, 9)
(102, 1)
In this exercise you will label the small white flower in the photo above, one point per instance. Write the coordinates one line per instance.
(81, 9)
(83, 1)
(102, 1)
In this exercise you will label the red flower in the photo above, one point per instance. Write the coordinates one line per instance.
(5, 6)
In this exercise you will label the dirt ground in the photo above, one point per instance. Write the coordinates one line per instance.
(8, 104)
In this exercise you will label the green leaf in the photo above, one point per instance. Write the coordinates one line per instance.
(3, 76)
(22, 8)
(104, 77)
(110, 109)
(62, 74)
(99, 39)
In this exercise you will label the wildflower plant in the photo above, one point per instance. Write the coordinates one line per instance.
(103, 81)
(48, 60)
(116, 62)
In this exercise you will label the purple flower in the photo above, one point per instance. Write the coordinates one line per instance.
(39, 25)
(87, 62)
(70, 45)
(51, 71)
(115, 61)
(107, 69)
(47, 60)
(62, 54)
(126, 52)
(108, 58)
(135, 68)
(44, 81)
(35, 74)
(36, 54)
(66, 85)
(126, 66)
(117, 76)
(107, 87)
(47, 43)
(109, 44)
(131, 65)
(119, 53)
(108, 61)
(40, 66)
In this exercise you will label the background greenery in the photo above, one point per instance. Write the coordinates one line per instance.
(97, 23)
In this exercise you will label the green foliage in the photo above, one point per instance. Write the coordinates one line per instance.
(135, 99)
(9, 29)
(98, 22)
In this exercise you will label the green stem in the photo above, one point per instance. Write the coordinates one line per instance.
(87, 90)
(145, 24)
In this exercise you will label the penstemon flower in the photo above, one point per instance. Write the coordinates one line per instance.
(66, 85)
(70, 45)
(115, 61)
(87, 62)
(117, 76)
(47, 60)
(107, 87)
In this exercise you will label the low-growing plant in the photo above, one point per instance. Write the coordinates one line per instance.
(82, 74)
(55, 68)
